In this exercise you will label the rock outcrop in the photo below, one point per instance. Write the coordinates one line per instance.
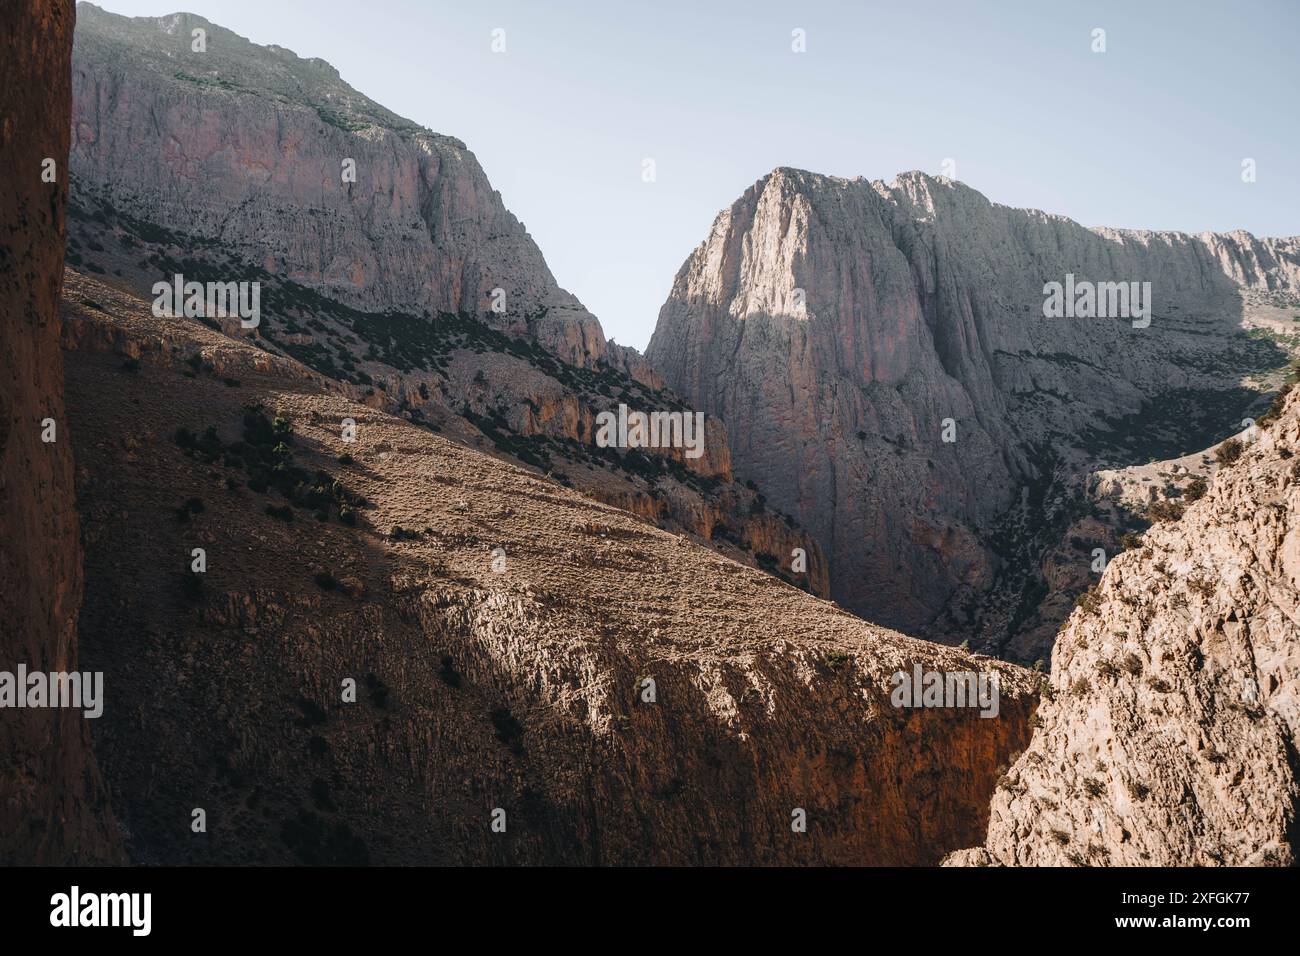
(249, 147)
(227, 164)
(606, 691)
(52, 805)
(880, 355)
(1168, 736)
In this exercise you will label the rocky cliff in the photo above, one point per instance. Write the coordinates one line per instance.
(1168, 735)
(227, 164)
(52, 805)
(249, 147)
(880, 355)
(393, 644)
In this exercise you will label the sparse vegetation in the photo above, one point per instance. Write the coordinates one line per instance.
(836, 659)
(1089, 601)
(1229, 452)
(1165, 510)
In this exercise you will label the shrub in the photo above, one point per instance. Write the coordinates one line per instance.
(1089, 601)
(1165, 510)
(1229, 452)
(836, 659)
(283, 512)
(1196, 489)
(325, 581)
(1275, 410)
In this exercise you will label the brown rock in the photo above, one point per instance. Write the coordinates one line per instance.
(52, 805)
(1169, 737)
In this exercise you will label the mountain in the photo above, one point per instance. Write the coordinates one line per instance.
(624, 694)
(53, 806)
(880, 355)
(1167, 736)
(411, 281)
(244, 146)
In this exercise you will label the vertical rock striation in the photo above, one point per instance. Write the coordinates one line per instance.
(1169, 737)
(52, 807)
(836, 325)
(244, 146)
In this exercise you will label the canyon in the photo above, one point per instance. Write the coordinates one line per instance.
(364, 587)
(408, 279)
(1168, 733)
(843, 329)
(497, 628)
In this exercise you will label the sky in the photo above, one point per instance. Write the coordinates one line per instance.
(1151, 133)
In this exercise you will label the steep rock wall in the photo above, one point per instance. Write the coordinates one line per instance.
(836, 325)
(52, 806)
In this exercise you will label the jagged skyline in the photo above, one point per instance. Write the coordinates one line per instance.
(1145, 135)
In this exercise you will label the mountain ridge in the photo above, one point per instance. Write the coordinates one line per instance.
(819, 308)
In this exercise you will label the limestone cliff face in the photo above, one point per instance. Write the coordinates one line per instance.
(52, 805)
(500, 630)
(245, 145)
(838, 325)
(226, 164)
(1169, 735)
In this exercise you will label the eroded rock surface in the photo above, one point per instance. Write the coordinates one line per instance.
(844, 328)
(1169, 735)
(500, 629)
(52, 806)
(244, 146)
(228, 165)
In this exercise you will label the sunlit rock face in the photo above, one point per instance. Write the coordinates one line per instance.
(278, 160)
(881, 357)
(1168, 736)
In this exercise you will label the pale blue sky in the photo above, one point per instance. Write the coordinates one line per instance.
(1150, 134)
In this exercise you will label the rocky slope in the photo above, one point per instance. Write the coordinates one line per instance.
(244, 145)
(1169, 735)
(52, 804)
(226, 165)
(844, 329)
(500, 630)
